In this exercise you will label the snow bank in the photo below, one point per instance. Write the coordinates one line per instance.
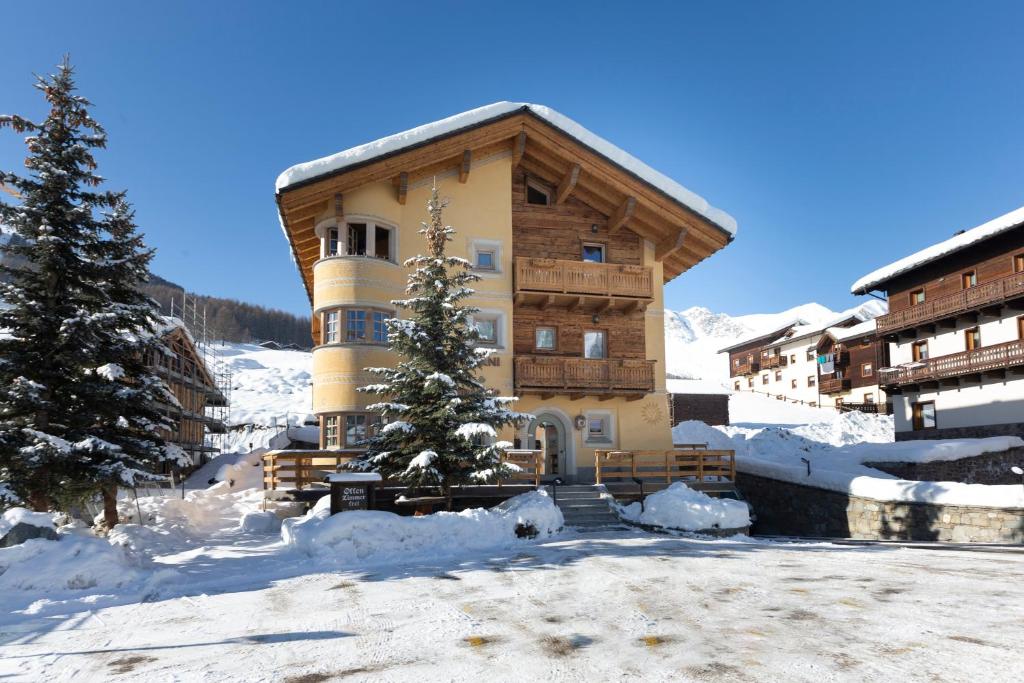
(383, 537)
(15, 516)
(835, 452)
(480, 115)
(680, 507)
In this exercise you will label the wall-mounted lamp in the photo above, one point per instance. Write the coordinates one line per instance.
(595, 318)
(580, 421)
(593, 228)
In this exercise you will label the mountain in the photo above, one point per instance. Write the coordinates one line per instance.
(693, 337)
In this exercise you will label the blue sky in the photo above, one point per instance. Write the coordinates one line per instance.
(841, 135)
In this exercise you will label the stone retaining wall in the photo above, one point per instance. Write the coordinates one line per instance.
(797, 510)
(988, 468)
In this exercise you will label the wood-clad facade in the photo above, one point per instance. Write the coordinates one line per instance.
(853, 384)
(572, 249)
(955, 337)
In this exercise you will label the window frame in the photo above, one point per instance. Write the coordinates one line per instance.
(915, 353)
(869, 397)
(498, 319)
(341, 314)
(607, 434)
(867, 369)
(968, 279)
(778, 375)
(793, 383)
(812, 381)
(536, 186)
(340, 232)
(604, 349)
(1018, 263)
(600, 245)
(554, 336)
(913, 298)
(918, 416)
(972, 338)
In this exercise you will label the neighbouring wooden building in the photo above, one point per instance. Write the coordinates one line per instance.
(573, 237)
(954, 332)
(193, 384)
(697, 399)
(849, 360)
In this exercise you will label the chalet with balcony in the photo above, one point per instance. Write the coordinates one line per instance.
(954, 333)
(573, 238)
(849, 359)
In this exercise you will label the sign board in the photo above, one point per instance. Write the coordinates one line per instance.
(353, 491)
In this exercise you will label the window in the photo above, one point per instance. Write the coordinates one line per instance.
(1018, 263)
(736, 386)
(750, 382)
(866, 369)
(792, 358)
(355, 429)
(764, 379)
(380, 326)
(382, 243)
(969, 279)
(595, 344)
(792, 383)
(330, 431)
(593, 252)
(919, 351)
(869, 398)
(735, 362)
(972, 339)
(924, 415)
(485, 259)
(332, 242)
(810, 380)
(487, 329)
(537, 195)
(355, 325)
(1020, 327)
(599, 427)
(778, 375)
(917, 297)
(545, 339)
(811, 353)
(356, 239)
(331, 328)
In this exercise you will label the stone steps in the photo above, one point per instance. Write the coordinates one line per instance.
(583, 507)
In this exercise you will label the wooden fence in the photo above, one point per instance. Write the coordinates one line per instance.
(697, 464)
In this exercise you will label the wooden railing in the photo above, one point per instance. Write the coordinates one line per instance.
(994, 292)
(696, 464)
(832, 385)
(584, 374)
(298, 469)
(996, 357)
(583, 277)
(869, 408)
(772, 361)
(746, 368)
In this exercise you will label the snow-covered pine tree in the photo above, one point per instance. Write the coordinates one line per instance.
(73, 316)
(441, 421)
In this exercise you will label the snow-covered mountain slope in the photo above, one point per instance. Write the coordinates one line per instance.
(268, 385)
(693, 337)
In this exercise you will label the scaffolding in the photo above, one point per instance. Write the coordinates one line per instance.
(193, 317)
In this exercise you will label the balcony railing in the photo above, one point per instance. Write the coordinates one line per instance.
(996, 357)
(746, 368)
(584, 375)
(769, 362)
(972, 298)
(583, 278)
(833, 385)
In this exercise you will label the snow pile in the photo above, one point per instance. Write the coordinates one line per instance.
(680, 507)
(480, 115)
(382, 537)
(832, 455)
(15, 516)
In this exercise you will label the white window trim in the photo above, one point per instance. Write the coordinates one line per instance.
(603, 247)
(500, 330)
(609, 421)
(487, 245)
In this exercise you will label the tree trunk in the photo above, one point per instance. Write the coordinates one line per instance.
(39, 501)
(110, 506)
(447, 489)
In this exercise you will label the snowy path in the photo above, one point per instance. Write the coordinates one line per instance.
(597, 607)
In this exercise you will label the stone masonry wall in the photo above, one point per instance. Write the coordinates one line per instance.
(989, 468)
(797, 510)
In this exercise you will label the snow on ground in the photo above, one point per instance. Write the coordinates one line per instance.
(15, 516)
(621, 605)
(680, 507)
(780, 438)
(267, 385)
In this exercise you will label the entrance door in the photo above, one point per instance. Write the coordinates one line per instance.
(548, 436)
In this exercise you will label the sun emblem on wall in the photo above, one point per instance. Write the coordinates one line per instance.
(652, 413)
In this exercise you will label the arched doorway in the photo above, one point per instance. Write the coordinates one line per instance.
(548, 432)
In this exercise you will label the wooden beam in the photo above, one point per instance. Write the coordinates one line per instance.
(622, 215)
(604, 306)
(574, 304)
(518, 149)
(402, 186)
(467, 160)
(546, 396)
(339, 208)
(568, 183)
(669, 245)
(545, 302)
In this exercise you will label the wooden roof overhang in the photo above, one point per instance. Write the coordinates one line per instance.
(682, 237)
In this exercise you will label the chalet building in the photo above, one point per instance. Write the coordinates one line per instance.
(784, 362)
(193, 384)
(849, 359)
(573, 237)
(954, 330)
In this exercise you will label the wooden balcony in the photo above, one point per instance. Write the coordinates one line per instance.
(965, 301)
(581, 285)
(746, 369)
(833, 385)
(770, 362)
(581, 377)
(995, 359)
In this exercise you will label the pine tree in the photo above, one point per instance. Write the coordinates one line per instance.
(441, 421)
(77, 414)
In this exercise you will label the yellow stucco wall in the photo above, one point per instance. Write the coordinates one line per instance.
(478, 210)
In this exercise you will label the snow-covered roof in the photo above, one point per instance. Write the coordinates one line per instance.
(773, 333)
(694, 386)
(864, 329)
(954, 244)
(475, 117)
